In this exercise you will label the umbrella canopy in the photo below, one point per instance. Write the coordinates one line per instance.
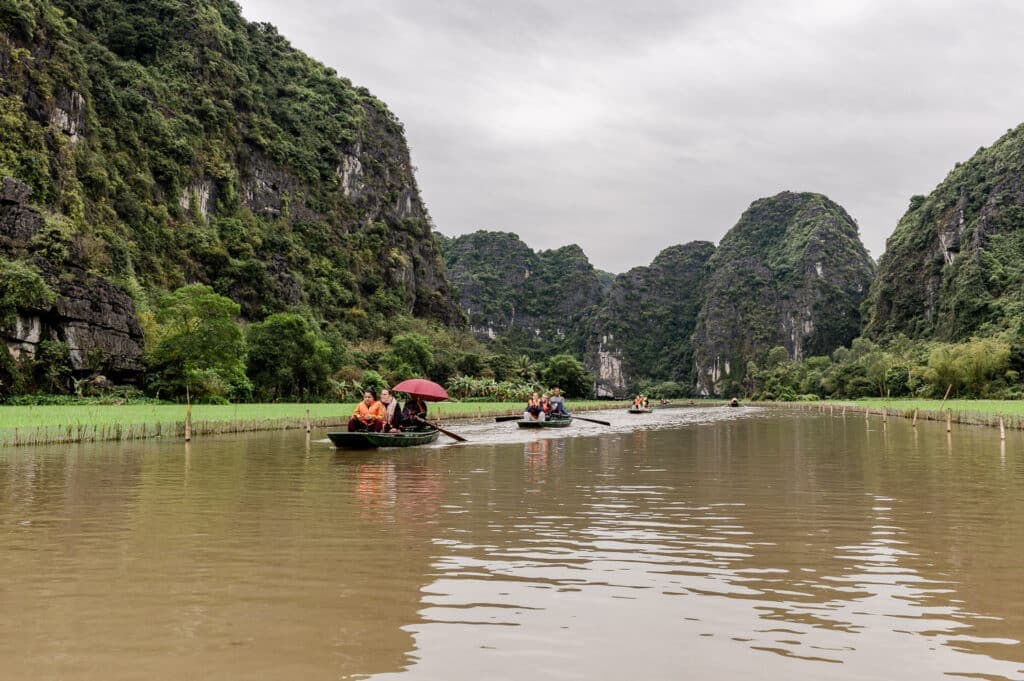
(426, 390)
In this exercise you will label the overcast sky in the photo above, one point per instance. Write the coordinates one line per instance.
(627, 127)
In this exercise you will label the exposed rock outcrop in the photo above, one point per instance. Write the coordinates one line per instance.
(93, 317)
(793, 273)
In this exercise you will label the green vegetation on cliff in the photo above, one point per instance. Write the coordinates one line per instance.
(791, 273)
(649, 315)
(174, 142)
(954, 266)
(524, 302)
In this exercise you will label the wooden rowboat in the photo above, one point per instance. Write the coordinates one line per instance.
(551, 422)
(359, 440)
(637, 410)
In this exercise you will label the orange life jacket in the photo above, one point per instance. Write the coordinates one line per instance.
(374, 412)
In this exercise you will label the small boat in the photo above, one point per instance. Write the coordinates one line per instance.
(550, 422)
(640, 410)
(365, 440)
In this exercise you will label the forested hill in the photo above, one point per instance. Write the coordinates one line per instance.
(629, 329)
(520, 300)
(791, 273)
(954, 266)
(155, 143)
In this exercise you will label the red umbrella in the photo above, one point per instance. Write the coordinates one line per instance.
(426, 390)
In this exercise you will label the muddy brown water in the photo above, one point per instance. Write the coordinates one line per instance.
(702, 543)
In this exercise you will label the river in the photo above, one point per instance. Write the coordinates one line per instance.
(703, 543)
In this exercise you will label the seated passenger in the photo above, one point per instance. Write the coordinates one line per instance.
(414, 414)
(392, 413)
(557, 403)
(368, 416)
(534, 410)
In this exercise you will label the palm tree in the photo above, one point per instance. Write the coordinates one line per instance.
(523, 367)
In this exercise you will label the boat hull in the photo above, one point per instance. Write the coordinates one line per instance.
(640, 411)
(358, 440)
(406, 439)
(548, 423)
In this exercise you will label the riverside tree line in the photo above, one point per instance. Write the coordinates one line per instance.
(196, 348)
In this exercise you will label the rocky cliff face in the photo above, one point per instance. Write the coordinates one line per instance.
(519, 300)
(94, 318)
(644, 327)
(952, 268)
(180, 143)
(792, 272)
(629, 328)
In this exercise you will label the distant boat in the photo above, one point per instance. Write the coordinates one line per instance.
(550, 422)
(366, 440)
(640, 410)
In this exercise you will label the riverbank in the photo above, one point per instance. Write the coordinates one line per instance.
(993, 413)
(39, 425)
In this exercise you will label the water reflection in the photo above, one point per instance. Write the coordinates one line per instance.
(764, 546)
(715, 548)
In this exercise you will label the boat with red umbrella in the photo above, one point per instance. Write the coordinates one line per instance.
(428, 391)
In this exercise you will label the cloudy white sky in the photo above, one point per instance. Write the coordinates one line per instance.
(627, 127)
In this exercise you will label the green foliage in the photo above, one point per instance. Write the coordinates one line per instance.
(198, 147)
(414, 351)
(650, 313)
(21, 288)
(952, 268)
(287, 359)
(534, 303)
(792, 272)
(52, 368)
(373, 381)
(469, 388)
(568, 373)
(200, 349)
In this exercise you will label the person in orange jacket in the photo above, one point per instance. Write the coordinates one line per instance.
(369, 414)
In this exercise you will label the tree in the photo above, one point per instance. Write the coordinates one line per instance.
(413, 350)
(21, 287)
(288, 358)
(200, 349)
(566, 372)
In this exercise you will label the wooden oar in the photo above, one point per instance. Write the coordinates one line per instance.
(457, 438)
(500, 419)
(600, 423)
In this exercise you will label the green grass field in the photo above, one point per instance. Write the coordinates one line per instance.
(981, 407)
(54, 424)
(970, 412)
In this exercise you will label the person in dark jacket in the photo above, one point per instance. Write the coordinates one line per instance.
(415, 409)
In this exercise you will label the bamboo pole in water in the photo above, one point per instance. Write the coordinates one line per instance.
(914, 424)
(1002, 429)
(949, 420)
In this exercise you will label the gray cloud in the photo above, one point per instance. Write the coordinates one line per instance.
(627, 128)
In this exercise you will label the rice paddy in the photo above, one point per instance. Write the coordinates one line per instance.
(38, 425)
